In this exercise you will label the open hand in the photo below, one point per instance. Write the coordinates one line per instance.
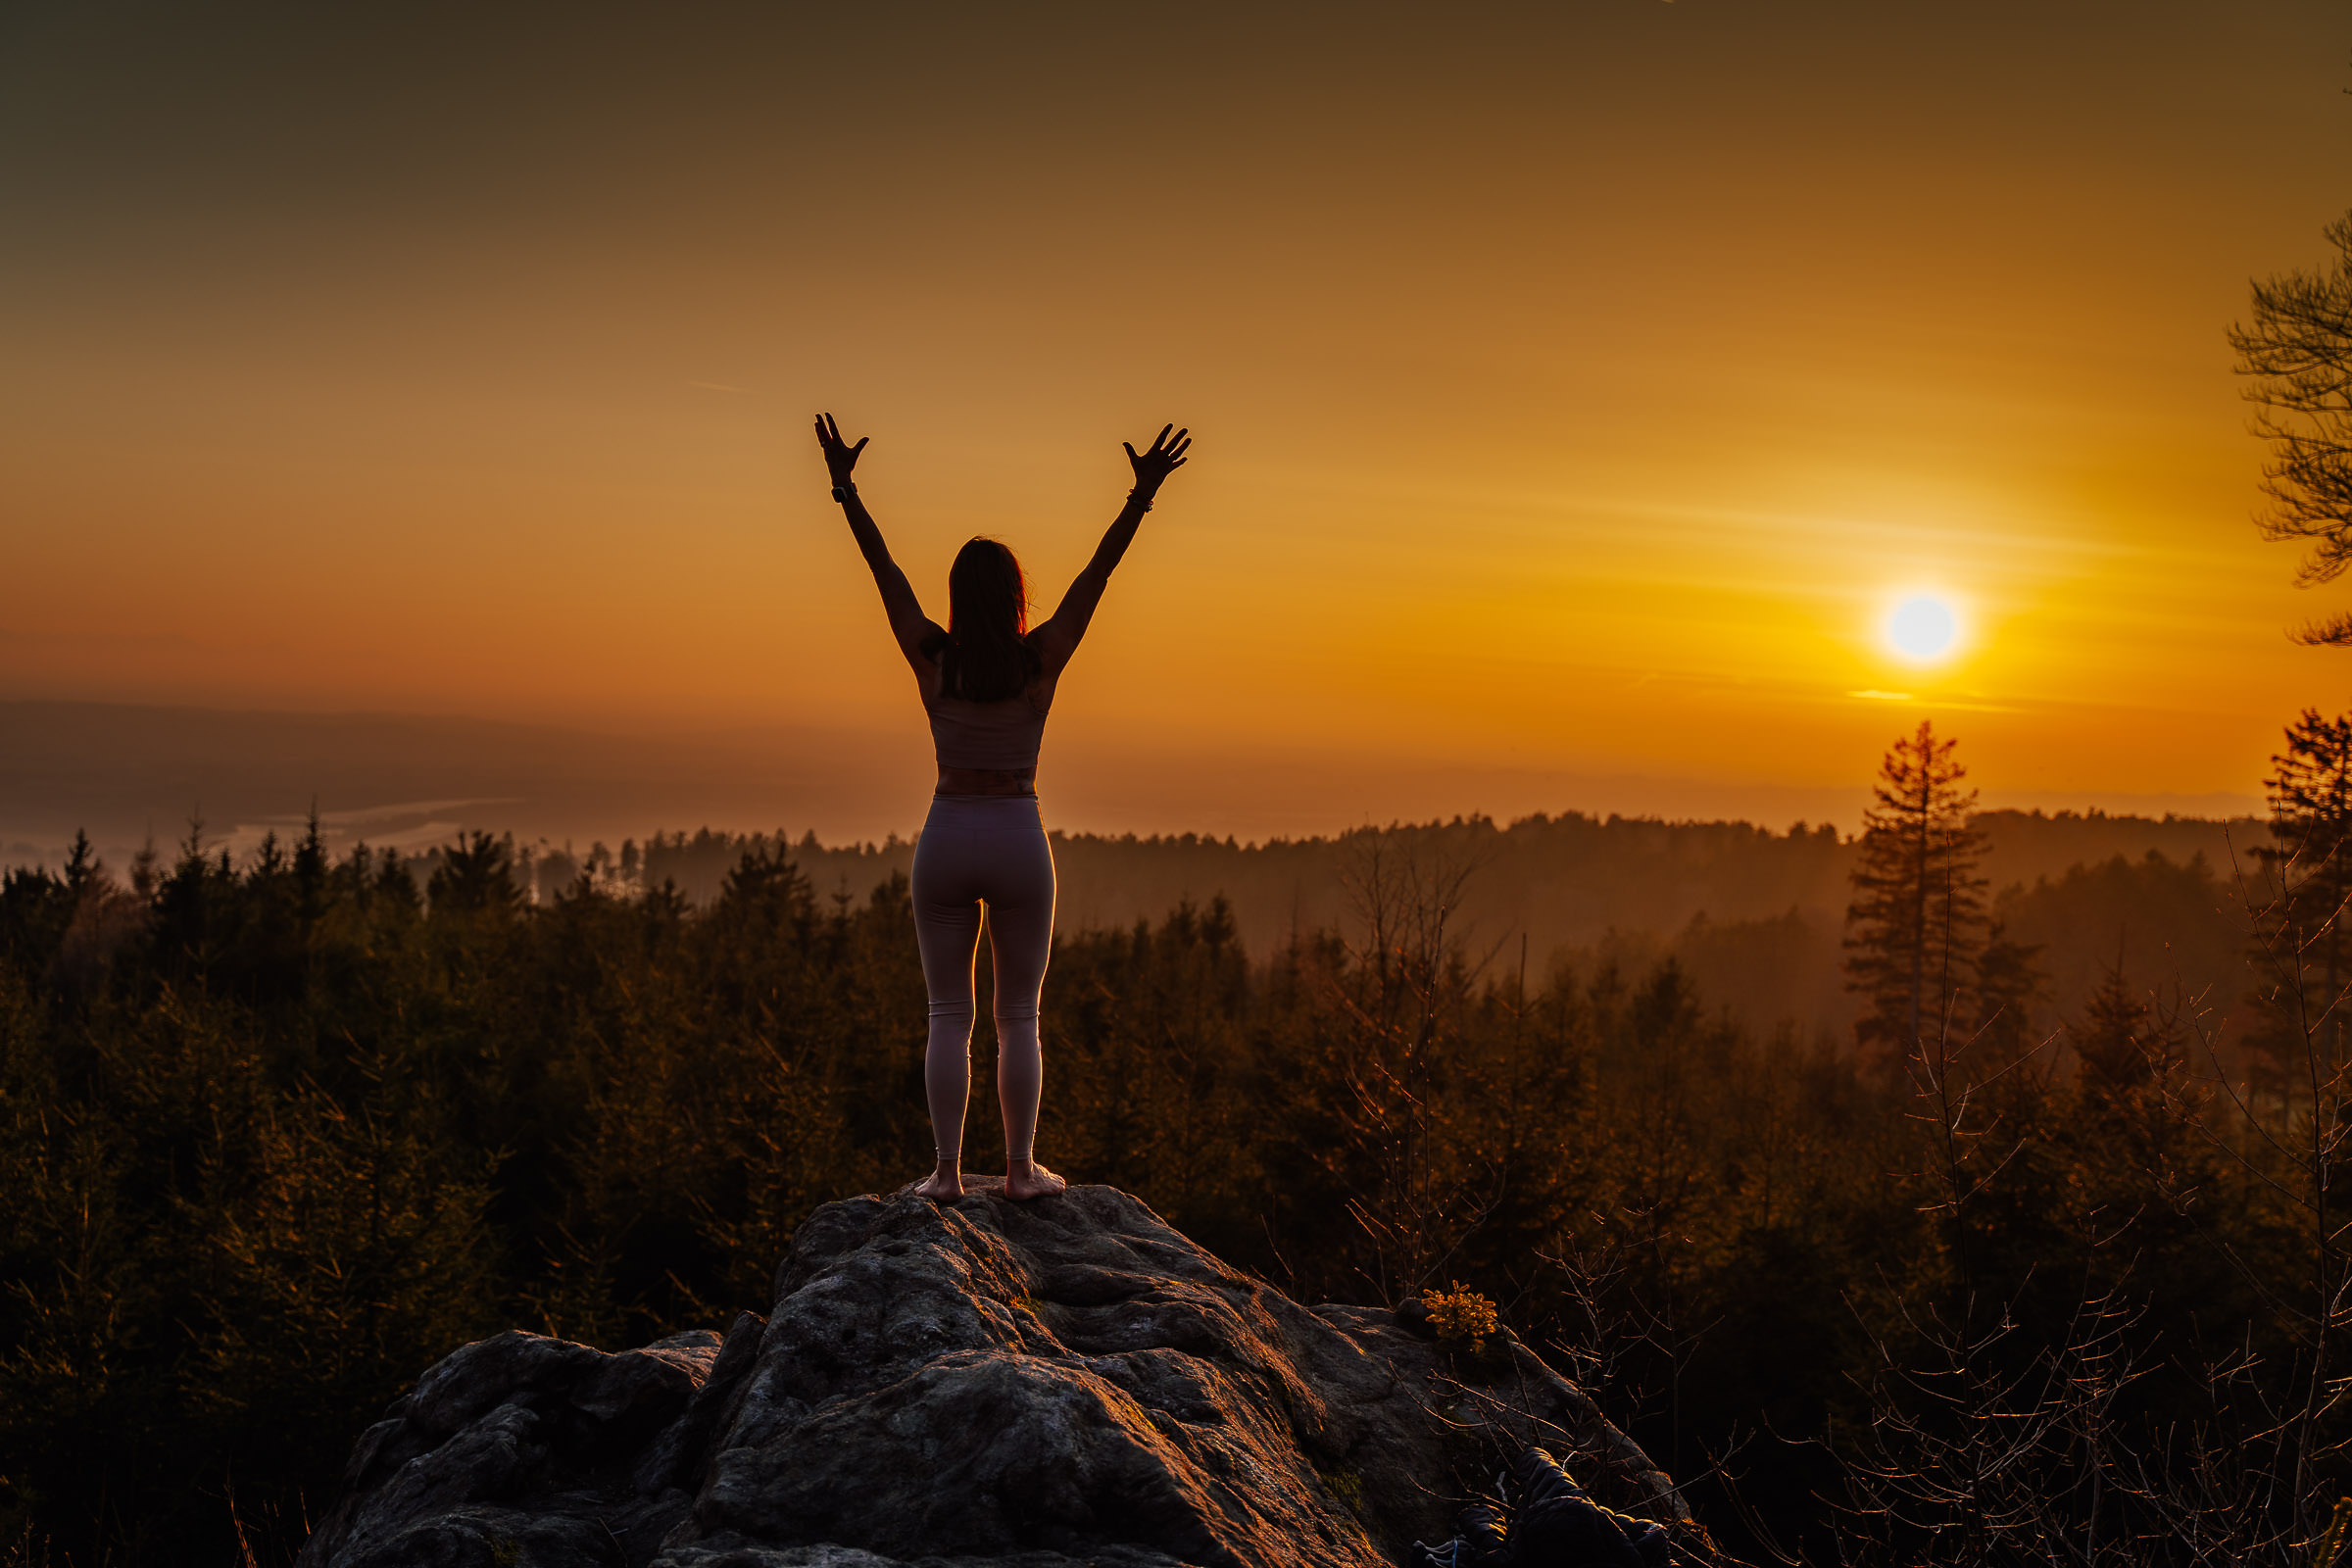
(1165, 458)
(840, 456)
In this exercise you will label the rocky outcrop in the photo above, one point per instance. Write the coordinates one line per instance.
(982, 1385)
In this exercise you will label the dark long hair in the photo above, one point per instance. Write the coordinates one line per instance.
(986, 657)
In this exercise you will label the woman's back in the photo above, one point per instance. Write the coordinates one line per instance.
(998, 737)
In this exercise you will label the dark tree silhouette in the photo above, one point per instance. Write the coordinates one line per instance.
(1912, 929)
(477, 873)
(2298, 355)
(2010, 987)
(2306, 882)
(275, 1135)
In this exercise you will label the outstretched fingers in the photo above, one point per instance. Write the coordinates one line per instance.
(1170, 442)
(838, 454)
(1165, 457)
(1170, 449)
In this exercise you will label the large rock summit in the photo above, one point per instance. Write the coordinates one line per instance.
(976, 1384)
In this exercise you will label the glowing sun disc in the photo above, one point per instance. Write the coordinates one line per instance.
(1923, 627)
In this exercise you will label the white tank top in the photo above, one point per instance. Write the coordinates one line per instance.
(1000, 737)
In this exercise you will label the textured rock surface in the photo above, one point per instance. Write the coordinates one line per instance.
(977, 1385)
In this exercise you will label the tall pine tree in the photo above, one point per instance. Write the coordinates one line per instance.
(1914, 928)
(2305, 954)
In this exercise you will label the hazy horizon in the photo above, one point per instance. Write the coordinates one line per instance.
(124, 772)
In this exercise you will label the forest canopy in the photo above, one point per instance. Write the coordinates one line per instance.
(282, 1132)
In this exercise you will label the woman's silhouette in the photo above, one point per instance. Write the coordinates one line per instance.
(985, 681)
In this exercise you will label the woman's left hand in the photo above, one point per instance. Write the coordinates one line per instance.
(840, 456)
(1165, 458)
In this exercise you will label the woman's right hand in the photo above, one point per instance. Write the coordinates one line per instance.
(1165, 458)
(840, 456)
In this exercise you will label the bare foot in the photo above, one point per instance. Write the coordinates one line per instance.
(1031, 1180)
(941, 1184)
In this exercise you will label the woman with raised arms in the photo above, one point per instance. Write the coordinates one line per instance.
(987, 680)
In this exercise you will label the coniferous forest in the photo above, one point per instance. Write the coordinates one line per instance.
(275, 1135)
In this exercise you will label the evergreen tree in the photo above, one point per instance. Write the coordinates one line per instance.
(2304, 954)
(2131, 1054)
(2010, 986)
(477, 873)
(1912, 930)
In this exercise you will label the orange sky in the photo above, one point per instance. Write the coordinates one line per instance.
(1575, 386)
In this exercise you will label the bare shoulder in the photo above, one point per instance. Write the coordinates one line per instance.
(1053, 645)
(922, 651)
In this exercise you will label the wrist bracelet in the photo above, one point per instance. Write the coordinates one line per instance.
(845, 491)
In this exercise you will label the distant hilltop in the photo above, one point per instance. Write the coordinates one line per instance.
(1755, 916)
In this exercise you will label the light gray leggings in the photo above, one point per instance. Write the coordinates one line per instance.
(984, 850)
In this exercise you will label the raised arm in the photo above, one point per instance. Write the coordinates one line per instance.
(908, 622)
(1057, 639)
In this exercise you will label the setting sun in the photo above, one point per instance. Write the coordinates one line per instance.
(1923, 628)
(1971, 432)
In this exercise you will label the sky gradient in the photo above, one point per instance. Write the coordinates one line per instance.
(1575, 387)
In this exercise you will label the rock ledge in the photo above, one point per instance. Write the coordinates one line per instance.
(976, 1385)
